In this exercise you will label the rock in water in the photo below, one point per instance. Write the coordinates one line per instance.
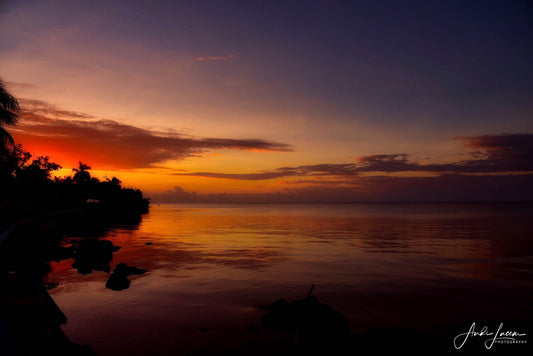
(314, 324)
(118, 280)
(92, 254)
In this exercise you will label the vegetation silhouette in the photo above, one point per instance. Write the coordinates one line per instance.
(37, 211)
(82, 175)
(28, 189)
(9, 107)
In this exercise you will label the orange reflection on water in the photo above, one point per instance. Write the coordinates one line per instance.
(208, 267)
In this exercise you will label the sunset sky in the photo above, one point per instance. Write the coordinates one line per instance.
(279, 100)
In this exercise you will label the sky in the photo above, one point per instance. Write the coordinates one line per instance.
(267, 101)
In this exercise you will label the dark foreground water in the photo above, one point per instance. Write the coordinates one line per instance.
(422, 266)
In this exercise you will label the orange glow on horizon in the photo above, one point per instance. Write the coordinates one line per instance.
(60, 152)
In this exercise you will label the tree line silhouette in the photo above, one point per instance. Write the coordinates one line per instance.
(27, 187)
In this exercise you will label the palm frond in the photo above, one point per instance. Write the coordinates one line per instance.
(5, 138)
(7, 101)
(7, 117)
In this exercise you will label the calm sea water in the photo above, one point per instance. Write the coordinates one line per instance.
(422, 266)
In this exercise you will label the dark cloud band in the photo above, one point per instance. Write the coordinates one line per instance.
(492, 154)
(116, 144)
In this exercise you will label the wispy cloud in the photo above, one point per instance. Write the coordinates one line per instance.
(250, 176)
(493, 154)
(308, 170)
(15, 85)
(215, 58)
(506, 151)
(115, 144)
(39, 109)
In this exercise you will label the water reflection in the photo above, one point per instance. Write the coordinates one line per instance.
(30, 319)
(457, 242)
(420, 266)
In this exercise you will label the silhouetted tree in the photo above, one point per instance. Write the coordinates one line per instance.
(28, 189)
(114, 181)
(8, 108)
(38, 172)
(14, 167)
(64, 180)
(82, 176)
(11, 162)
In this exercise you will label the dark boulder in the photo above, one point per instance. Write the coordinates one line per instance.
(93, 254)
(118, 280)
(313, 324)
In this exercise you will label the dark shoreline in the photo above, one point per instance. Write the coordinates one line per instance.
(29, 315)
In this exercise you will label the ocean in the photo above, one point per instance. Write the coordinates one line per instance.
(425, 266)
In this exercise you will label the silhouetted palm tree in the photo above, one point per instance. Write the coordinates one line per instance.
(8, 108)
(82, 176)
